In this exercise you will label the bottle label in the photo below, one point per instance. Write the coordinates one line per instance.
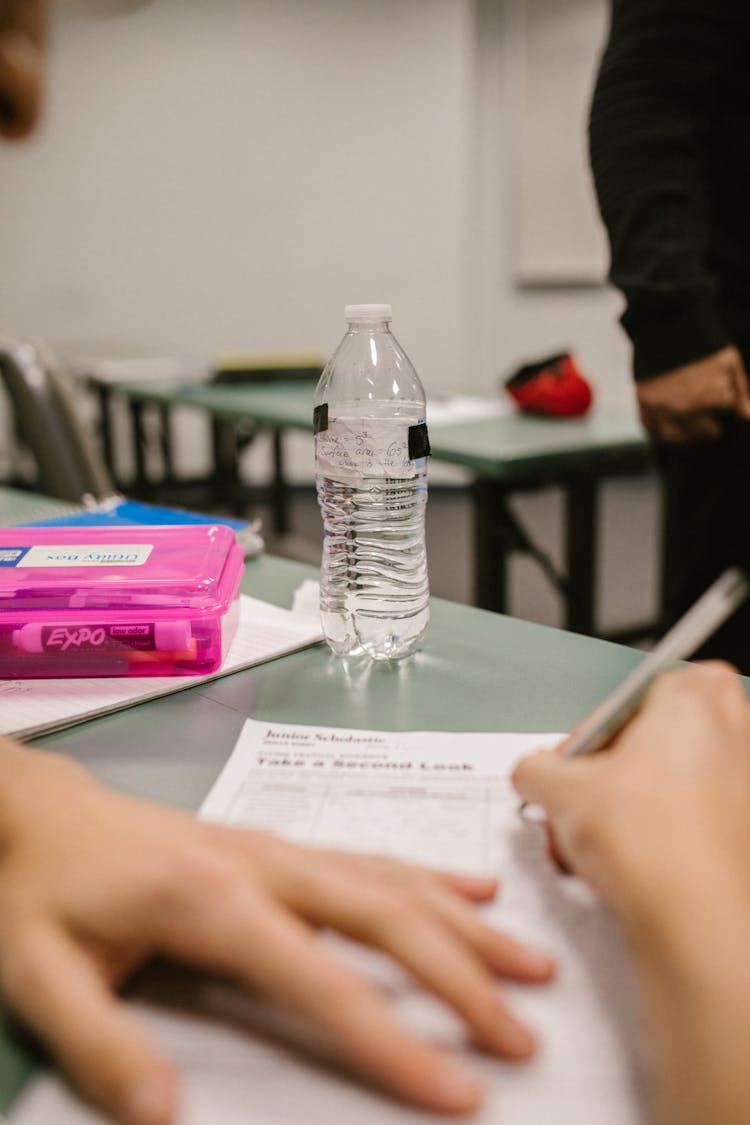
(354, 448)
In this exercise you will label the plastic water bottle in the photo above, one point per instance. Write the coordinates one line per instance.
(371, 447)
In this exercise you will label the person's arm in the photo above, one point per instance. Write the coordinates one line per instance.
(93, 882)
(649, 138)
(659, 824)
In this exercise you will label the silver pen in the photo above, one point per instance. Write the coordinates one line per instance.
(703, 618)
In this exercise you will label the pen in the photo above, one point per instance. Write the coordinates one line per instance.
(133, 655)
(703, 618)
(159, 656)
(88, 664)
(51, 667)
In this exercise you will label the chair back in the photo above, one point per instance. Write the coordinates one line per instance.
(69, 466)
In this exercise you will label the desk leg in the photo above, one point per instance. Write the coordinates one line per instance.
(167, 445)
(279, 489)
(490, 547)
(138, 423)
(581, 498)
(497, 533)
(226, 464)
(103, 396)
(669, 560)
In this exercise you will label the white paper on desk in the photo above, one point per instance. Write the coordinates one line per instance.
(34, 707)
(454, 409)
(445, 799)
(417, 795)
(587, 1070)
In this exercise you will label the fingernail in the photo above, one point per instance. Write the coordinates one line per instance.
(456, 1087)
(538, 962)
(149, 1102)
(515, 1039)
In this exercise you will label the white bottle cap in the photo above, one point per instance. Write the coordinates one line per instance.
(367, 312)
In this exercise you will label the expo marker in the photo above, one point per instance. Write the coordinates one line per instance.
(122, 639)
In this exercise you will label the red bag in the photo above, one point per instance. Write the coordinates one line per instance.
(553, 386)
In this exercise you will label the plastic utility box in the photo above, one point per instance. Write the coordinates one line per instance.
(126, 601)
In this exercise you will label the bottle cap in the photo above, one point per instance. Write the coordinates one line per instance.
(367, 312)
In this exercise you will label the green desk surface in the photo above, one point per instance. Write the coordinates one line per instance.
(506, 449)
(478, 671)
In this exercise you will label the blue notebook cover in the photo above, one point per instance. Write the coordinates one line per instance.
(117, 510)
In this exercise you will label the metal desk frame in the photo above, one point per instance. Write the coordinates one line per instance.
(575, 456)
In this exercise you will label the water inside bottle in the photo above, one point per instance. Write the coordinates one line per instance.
(374, 586)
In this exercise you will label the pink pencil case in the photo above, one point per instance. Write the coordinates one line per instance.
(127, 601)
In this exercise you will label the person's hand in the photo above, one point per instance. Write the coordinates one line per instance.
(662, 817)
(93, 882)
(659, 824)
(686, 404)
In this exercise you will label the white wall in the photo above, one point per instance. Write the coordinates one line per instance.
(228, 174)
(515, 322)
(559, 238)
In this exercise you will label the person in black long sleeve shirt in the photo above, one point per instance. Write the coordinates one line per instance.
(669, 139)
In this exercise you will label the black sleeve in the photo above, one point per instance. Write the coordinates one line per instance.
(655, 95)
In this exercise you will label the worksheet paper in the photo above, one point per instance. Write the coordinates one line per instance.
(440, 798)
(33, 707)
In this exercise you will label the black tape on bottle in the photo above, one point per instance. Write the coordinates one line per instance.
(320, 418)
(419, 442)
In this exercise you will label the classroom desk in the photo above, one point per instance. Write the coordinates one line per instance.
(508, 455)
(478, 671)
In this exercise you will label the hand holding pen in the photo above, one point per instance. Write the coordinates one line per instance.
(659, 825)
(596, 731)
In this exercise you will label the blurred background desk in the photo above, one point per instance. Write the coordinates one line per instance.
(478, 671)
(505, 455)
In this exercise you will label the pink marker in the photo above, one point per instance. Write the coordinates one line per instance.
(124, 637)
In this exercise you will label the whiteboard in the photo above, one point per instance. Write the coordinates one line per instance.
(560, 239)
